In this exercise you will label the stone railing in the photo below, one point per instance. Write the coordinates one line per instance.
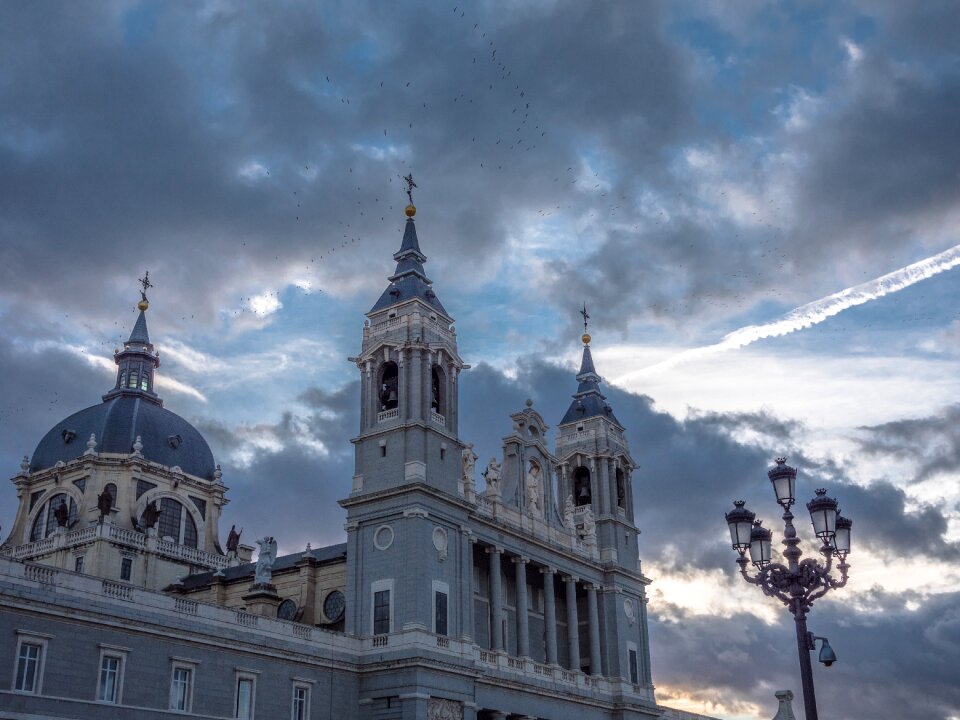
(386, 325)
(38, 547)
(191, 554)
(532, 670)
(246, 619)
(385, 415)
(187, 607)
(116, 590)
(380, 641)
(127, 537)
(581, 436)
(438, 419)
(40, 573)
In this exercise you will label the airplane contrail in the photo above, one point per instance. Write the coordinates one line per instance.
(817, 311)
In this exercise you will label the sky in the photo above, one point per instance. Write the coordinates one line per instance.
(756, 201)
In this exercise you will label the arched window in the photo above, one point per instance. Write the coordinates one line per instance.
(45, 523)
(112, 489)
(144, 382)
(438, 387)
(388, 387)
(133, 379)
(176, 522)
(582, 494)
(123, 378)
(621, 489)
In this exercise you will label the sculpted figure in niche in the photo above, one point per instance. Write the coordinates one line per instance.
(469, 465)
(263, 573)
(151, 513)
(589, 528)
(568, 514)
(62, 513)
(533, 489)
(104, 504)
(233, 539)
(492, 476)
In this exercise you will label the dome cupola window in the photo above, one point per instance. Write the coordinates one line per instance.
(60, 510)
(176, 523)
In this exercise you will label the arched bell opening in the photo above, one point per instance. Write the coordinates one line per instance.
(582, 491)
(621, 489)
(388, 386)
(438, 390)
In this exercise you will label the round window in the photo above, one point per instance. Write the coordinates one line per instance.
(333, 606)
(287, 610)
(383, 537)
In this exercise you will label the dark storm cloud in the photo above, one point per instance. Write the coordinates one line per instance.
(122, 147)
(892, 661)
(931, 442)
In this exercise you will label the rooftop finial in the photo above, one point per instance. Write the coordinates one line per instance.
(411, 209)
(586, 318)
(145, 281)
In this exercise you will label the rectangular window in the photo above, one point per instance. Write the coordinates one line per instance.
(244, 704)
(108, 686)
(381, 612)
(301, 702)
(126, 565)
(28, 668)
(181, 688)
(78, 564)
(634, 673)
(440, 612)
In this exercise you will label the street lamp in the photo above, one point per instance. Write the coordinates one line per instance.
(798, 583)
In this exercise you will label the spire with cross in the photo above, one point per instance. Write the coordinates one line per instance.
(145, 281)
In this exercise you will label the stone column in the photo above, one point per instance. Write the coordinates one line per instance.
(594, 619)
(550, 615)
(606, 505)
(466, 587)
(523, 627)
(573, 624)
(496, 600)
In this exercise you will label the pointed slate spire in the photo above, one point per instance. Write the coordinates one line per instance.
(588, 401)
(137, 361)
(409, 280)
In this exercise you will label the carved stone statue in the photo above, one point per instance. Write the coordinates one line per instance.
(492, 476)
(263, 573)
(533, 489)
(568, 514)
(151, 513)
(233, 539)
(468, 465)
(104, 504)
(589, 528)
(62, 513)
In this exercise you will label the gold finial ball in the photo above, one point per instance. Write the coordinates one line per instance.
(586, 339)
(410, 210)
(143, 305)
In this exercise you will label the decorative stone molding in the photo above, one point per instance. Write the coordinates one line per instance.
(439, 709)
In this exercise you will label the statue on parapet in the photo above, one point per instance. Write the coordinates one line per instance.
(492, 477)
(263, 573)
(151, 513)
(233, 540)
(104, 504)
(468, 466)
(62, 513)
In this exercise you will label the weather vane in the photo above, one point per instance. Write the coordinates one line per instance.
(145, 281)
(585, 317)
(408, 179)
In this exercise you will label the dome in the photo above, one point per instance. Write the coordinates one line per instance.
(167, 438)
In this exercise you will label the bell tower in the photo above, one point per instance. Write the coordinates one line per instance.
(595, 466)
(409, 368)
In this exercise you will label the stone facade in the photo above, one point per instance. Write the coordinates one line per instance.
(458, 595)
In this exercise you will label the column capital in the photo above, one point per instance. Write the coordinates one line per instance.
(490, 550)
(587, 585)
(571, 579)
(518, 559)
(548, 570)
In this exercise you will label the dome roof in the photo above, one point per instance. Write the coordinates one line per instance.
(167, 438)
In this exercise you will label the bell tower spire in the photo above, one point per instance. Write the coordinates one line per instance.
(595, 463)
(409, 367)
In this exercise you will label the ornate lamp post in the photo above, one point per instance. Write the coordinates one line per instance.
(798, 583)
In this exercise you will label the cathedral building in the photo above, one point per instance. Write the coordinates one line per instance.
(509, 589)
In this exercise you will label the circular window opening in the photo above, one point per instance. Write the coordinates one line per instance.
(333, 606)
(383, 537)
(287, 610)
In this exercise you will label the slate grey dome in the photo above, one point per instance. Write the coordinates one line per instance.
(132, 408)
(167, 438)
